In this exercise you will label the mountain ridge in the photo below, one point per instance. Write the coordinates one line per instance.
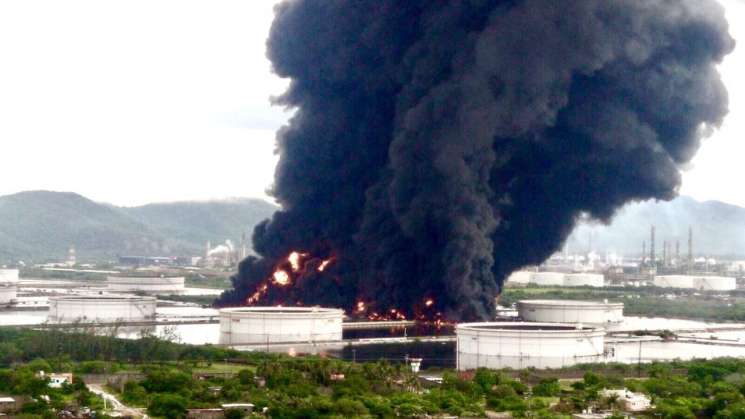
(41, 225)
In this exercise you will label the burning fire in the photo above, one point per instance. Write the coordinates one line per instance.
(323, 265)
(285, 273)
(289, 270)
(281, 278)
(294, 260)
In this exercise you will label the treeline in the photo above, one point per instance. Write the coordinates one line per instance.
(24, 345)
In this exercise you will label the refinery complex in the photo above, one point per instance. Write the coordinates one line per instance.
(530, 332)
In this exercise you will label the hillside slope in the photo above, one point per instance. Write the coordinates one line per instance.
(42, 225)
(718, 228)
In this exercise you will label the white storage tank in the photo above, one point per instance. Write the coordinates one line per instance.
(8, 293)
(520, 277)
(715, 283)
(567, 311)
(149, 284)
(674, 281)
(584, 280)
(523, 345)
(101, 309)
(8, 286)
(547, 278)
(249, 325)
(9, 275)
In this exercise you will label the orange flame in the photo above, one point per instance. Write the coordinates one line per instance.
(323, 265)
(429, 302)
(294, 259)
(281, 278)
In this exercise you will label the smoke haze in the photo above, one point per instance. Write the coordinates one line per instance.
(438, 146)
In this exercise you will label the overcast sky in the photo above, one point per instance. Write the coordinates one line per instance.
(141, 101)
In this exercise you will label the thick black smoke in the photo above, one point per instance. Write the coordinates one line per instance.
(439, 145)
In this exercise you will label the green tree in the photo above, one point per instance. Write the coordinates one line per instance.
(170, 406)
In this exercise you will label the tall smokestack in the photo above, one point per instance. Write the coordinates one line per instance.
(664, 253)
(690, 248)
(436, 146)
(651, 247)
(677, 252)
(644, 251)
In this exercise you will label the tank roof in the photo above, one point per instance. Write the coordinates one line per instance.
(570, 303)
(527, 327)
(281, 310)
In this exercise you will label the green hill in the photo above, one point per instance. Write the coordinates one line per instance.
(41, 225)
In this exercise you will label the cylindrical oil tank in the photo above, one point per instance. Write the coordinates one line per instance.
(251, 325)
(584, 280)
(674, 281)
(520, 277)
(522, 345)
(715, 283)
(566, 311)
(8, 275)
(8, 292)
(146, 284)
(101, 309)
(547, 278)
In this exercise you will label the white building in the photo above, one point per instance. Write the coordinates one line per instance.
(629, 401)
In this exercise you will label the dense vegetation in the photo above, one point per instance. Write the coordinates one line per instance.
(648, 302)
(171, 378)
(40, 225)
(41, 401)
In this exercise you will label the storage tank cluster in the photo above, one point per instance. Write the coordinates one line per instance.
(101, 309)
(149, 284)
(8, 286)
(523, 345)
(697, 282)
(558, 279)
(252, 325)
(567, 311)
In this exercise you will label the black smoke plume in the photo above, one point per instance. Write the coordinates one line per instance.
(439, 145)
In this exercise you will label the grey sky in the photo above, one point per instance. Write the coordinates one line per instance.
(142, 101)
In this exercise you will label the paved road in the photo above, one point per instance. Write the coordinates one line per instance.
(115, 405)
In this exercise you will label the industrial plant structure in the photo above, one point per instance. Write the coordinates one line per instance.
(523, 345)
(101, 309)
(567, 311)
(8, 286)
(143, 283)
(251, 325)
(697, 282)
